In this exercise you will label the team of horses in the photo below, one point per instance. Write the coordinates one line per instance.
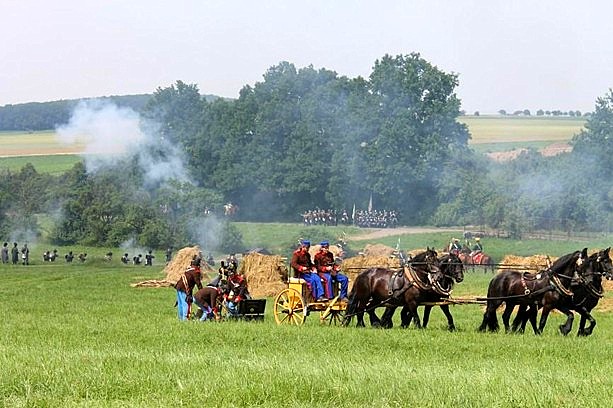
(573, 283)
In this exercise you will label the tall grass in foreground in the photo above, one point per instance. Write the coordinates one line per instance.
(79, 335)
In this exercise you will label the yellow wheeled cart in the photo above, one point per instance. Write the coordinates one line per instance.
(294, 304)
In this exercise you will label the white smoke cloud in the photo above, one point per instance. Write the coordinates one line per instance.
(109, 133)
(207, 232)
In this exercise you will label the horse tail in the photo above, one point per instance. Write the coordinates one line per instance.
(352, 306)
(360, 286)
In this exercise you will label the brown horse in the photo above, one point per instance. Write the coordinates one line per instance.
(585, 292)
(451, 270)
(377, 287)
(473, 259)
(518, 288)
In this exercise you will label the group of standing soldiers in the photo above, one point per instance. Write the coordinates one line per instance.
(14, 254)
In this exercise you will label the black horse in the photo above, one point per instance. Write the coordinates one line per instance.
(377, 287)
(525, 289)
(585, 292)
(451, 270)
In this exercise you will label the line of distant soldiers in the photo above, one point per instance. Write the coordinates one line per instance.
(362, 218)
(138, 259)
(15, 253)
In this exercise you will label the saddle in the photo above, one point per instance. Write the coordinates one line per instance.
(397, 284)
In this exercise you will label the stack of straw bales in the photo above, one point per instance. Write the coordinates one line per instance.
(266, 274)
(176, 267)
(533, 263)
(378, 250)
(336, 251)
(181, 262)
(354, 265)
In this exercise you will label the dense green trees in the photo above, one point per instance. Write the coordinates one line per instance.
(306, 138)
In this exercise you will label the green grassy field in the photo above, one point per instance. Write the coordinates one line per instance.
(54, 165)
(79, 335)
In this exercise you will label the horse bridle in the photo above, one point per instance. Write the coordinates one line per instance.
(599, 270)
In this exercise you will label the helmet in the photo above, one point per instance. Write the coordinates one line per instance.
(477, 239)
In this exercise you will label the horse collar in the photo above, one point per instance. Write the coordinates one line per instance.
(558, 285)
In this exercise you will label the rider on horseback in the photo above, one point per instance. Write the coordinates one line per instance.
(477, 251)
(455, 247)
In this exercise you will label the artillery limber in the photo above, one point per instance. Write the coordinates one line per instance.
(295, 303)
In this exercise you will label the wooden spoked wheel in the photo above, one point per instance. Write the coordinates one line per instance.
(334, 313)
(289, 307)
(222, 308)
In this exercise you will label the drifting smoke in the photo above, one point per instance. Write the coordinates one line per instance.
(207, 232)
(110, 134)
(132, 249)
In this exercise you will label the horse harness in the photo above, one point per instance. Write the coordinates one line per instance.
(405, 278)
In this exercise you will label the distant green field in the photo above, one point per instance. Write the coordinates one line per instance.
(55, 164)
(507, 129)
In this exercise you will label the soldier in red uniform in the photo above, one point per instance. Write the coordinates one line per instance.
(329, 271)
(304, 268)
(190, 278)
(206, 299)
(237, 291)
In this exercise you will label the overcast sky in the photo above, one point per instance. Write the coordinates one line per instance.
(512, 54)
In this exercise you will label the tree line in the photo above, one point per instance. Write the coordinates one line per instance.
(310, 138)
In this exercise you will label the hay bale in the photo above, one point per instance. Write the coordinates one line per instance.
(336, 251)
(266, 274)
(181, 261)
(152, 284)
(174, 269)
(534, 262)
(378, 250)
(353, 266)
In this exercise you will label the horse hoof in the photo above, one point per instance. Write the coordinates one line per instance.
(451, 328)
(564, 330)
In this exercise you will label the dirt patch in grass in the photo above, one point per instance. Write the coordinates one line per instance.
(551, 150)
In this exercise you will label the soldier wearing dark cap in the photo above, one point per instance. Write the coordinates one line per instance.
(149, 259)
(185, 285)
(14, 254)
(5, 253)
(329, 271)
(304, 268)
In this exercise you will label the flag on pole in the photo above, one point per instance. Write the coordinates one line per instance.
(353, 212)
(370, 203)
